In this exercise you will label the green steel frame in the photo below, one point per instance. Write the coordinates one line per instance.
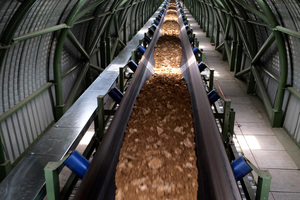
(141, 9)
(238, 24)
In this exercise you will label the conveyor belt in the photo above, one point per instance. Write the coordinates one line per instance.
(216, 179)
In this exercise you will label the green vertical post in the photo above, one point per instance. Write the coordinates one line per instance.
(52, 181)
(143, 17)
(239, 57)
(133, 57)
(217, 39)
(231, 122)
(264, 182)
(125, 33)
(224, 53)
(103, 53)
(263, 185)
(208, 21)
(108, 50)
(226, 119)
(202, 55)
(251, 84)
(100, 131)
(131, 32)
(5, 165)
(122, 78)
(212, 38)
(136, 18)
(144, 41)
(277, 115)
(5, 168)
(60, 107)
(196, 43)
(202, 18)
(234, 54)
(205, 17)
(211, 79)
(199, 13)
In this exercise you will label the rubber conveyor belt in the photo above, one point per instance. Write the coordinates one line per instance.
(215, 178)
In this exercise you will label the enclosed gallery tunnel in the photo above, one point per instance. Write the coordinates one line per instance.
(59, 59)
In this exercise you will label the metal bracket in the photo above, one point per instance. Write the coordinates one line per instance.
(122, 76)
(51, 171)
(200, 57)
(5, 168)
(210, 79)
(264, 182)
(102, 112)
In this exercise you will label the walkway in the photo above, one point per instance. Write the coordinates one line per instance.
(266, 147)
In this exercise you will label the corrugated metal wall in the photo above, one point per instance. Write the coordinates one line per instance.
(28, 65)
(256, 30)
(23, 127)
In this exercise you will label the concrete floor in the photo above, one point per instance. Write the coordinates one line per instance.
(266, 147)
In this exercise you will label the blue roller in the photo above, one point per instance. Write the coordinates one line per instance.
(156, 22)
(154, 26)
(185, 22)
(202, 66)
(189, 31)
(77, 163)
(132, 65)
(141, 49)
(191, 39)
(213, 96)
(151, 32)
(116, 95)
(147, 39)
(240, 168)
(196, 50)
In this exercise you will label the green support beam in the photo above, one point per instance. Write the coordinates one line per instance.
(77, 44)
(60, 106)
(51, 172)
(263, 93)
(287, 31)
(100, 121)
(40, 32)
(264, 182)
(5, 165)
(277, 115)
(264, 47)
(241, 73)
(226, 121)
